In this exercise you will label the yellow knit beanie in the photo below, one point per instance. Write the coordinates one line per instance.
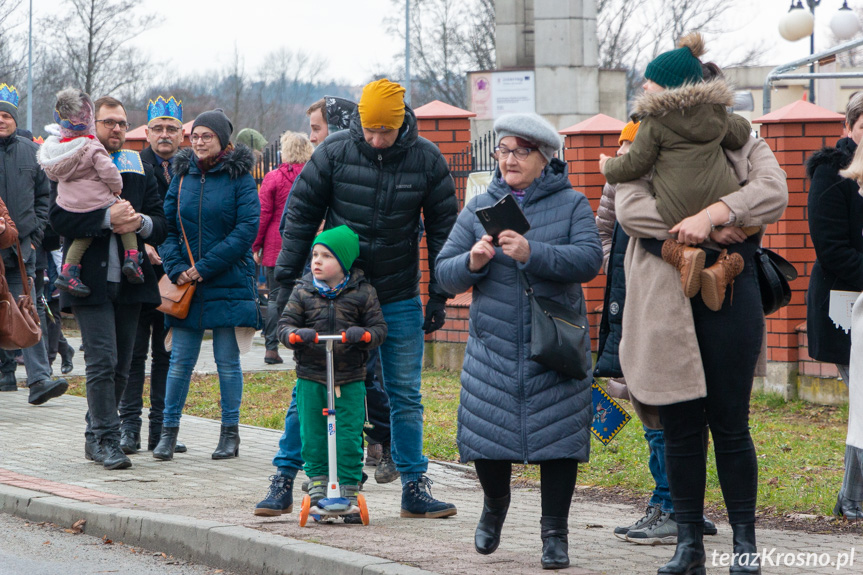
(382, 105)
(627, 134)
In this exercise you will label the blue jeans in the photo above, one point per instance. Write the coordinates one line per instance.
(661, 493)
(185, 348)
(402, 362)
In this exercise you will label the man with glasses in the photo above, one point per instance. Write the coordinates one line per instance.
(108, 317)
(164, 134)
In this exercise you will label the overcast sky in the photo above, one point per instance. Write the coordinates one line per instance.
(350, 34)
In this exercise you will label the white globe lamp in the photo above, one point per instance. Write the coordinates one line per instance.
(796, 24)
(845, 24)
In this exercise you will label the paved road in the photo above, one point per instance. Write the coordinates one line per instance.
(44, 549)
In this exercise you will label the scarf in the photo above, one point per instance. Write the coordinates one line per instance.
(331, 292)
(208, 164)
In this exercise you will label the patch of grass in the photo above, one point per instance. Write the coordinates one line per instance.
(800, 446)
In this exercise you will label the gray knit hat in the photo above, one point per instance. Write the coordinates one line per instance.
(217, 121)
(531, 127)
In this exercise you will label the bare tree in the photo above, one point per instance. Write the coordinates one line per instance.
(12, 56)
(92, 40)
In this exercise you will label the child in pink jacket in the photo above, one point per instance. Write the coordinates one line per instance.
(87, 180)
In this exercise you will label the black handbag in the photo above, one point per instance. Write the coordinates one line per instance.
(556, 335)
(774, 272)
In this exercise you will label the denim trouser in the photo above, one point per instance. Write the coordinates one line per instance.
(185, 348)
(35, 357)
(151, 325)
(289, 459)
(108, 333)
(661, 492)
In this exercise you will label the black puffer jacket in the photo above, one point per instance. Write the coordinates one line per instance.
(836, 226)
(380, 195)
(357, 305)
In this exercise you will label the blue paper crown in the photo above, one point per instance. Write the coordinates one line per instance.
(161, 108)
(64, 123)
(9, 94)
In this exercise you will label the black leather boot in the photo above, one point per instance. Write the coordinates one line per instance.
(156, 434)
(229, 443)
(130, 441)
(554, 533)
(745, 558)
(93, 451)
(114, 456)
(487, 536)
(689, 556)
(167, 442)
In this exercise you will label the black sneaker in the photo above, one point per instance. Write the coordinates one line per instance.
(649, 514)
(280, 497)
(42, 391)
(417, 501)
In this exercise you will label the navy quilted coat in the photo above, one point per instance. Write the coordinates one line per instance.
(220, 212)
(512, 408)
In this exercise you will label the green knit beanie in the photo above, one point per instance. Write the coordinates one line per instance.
(344, 244)
(680, 66)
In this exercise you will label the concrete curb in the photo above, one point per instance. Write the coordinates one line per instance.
(222, 545)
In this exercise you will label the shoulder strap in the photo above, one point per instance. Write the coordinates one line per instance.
(180, 219)
(25, 279)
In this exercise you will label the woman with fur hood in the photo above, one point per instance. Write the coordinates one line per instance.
(684, 128)
(217, 211)
(87, 180)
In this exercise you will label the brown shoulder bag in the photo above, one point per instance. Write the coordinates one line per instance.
(19, 322)
(176, 299)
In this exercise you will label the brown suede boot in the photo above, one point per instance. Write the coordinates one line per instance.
(716, 278)
(689, 261)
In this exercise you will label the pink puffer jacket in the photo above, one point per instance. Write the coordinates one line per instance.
(87, 178)
(273, 196)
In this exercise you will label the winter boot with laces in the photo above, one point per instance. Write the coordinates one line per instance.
(351, 492)
(69, 280)
(280, 497)
(716, 278)
(132, 267)
(386, 471)
(689, 262)
(318, 488)
(417, 500)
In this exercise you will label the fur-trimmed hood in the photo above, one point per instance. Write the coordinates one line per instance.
(715, 92)
(237, 162)
(836, 159)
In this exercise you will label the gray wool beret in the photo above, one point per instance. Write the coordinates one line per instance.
(531, 127)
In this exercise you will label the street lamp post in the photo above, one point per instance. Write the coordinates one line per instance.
(797, 24)
(30, 72)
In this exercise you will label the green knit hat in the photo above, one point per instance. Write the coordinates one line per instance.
(344, 244)
(680, 66)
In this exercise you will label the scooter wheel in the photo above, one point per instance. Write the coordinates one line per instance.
(304, 510)
(364, 510)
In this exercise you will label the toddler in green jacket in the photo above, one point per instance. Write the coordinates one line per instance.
(333, 298)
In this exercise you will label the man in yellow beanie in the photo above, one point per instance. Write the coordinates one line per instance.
(378, 178)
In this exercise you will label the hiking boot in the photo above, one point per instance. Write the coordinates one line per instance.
(272, 357)
(229, 443)
(417, 500)
(386, 471)
(716, 278)
(42, 391)
(661, 530)
(318, 488)
(651, 512)
(555, 544)
(93, 451)
(351, 492)
(114, 456)
(132, 267)
(373, 454)
(130, 441)
(69, 280)
(689, 262)
(280, 497)
(8, 381)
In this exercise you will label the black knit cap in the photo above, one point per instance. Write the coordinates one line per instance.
(217, 121)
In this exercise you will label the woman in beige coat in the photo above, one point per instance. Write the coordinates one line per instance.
(695, 364)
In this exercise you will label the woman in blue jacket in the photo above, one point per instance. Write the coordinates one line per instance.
(219, 213)
(514, 410)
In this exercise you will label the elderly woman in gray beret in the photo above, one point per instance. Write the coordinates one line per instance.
(514, 410)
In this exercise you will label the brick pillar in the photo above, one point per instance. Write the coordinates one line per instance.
(793, 133)
(447, 127)
(584, 143)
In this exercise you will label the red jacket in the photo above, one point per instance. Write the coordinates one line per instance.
(273, 196)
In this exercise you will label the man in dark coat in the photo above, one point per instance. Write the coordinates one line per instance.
(108, 316)
(165, 135)
(24, 189)
(377, 178)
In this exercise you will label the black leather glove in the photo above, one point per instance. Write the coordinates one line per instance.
(306, 334)
(354, 334)
(435, 314)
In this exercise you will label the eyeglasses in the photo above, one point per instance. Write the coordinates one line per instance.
(170, 130)
(502, 153)
(111, 124)
(206, 138)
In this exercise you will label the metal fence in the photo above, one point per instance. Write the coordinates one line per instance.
(478, 157)
(270, 159)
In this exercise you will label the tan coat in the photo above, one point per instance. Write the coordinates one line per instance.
(659, 350)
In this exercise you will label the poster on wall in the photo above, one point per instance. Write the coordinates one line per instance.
(496, 93)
